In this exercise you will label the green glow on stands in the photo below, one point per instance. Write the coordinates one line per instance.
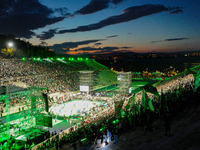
(34, 58)
(79, 59)
(23, 58)
(71, 59)
(63, 58)
(48, 58)
(100, 64)
(83, 139)
(86, 59)
(51, 58)
(114, 122)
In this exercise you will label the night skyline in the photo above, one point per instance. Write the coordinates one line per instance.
(104, 26)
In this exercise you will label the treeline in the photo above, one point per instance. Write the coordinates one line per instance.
(22, 48)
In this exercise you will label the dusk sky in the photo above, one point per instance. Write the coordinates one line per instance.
(103, 26)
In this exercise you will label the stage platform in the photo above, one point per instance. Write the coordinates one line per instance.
(73, 107)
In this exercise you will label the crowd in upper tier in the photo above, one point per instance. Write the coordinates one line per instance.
(56, 76)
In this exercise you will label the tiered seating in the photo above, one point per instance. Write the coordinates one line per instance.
(184, 128)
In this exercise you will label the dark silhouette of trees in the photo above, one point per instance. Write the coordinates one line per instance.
(23, 48)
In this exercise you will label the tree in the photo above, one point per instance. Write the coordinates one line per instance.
(9, 52)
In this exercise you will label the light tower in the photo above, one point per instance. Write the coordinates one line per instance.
(124, 82)
(86, 81)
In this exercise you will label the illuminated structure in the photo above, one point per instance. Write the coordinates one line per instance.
(25, 105)
(86, 81)
(124, 82)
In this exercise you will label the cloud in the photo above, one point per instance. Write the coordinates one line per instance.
(107, 48)
(117, 1)
(169, 40)
(43, 43)
(110, 48)
(126, 47)
(88, 49)
(21, 17)
(94, 50)
(47, 34)
(97, 44)
(97, 5)
(176, 10)
(93, 6)
(128, 14)
(63, 11)
(66, 46)
(176, 39)
(112, 36)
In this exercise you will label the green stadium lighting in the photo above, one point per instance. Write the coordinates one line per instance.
(83, 139)
(86, 59)
(34, 58)
(23, 58)
(72, 58)
(51, 58)
(63, 58)
(81, 58)
(78, 58)
(114, 122)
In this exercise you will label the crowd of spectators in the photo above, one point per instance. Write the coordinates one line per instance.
(55, 75)
(58, 77)
(178, 95)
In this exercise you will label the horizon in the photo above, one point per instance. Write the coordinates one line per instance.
(104, 26)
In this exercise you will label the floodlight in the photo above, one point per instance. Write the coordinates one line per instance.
(10, 44)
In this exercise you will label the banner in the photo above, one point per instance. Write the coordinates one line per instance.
(197, 81)
(146, 101)
(149, 88)
(131, 102)
(143, 98)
